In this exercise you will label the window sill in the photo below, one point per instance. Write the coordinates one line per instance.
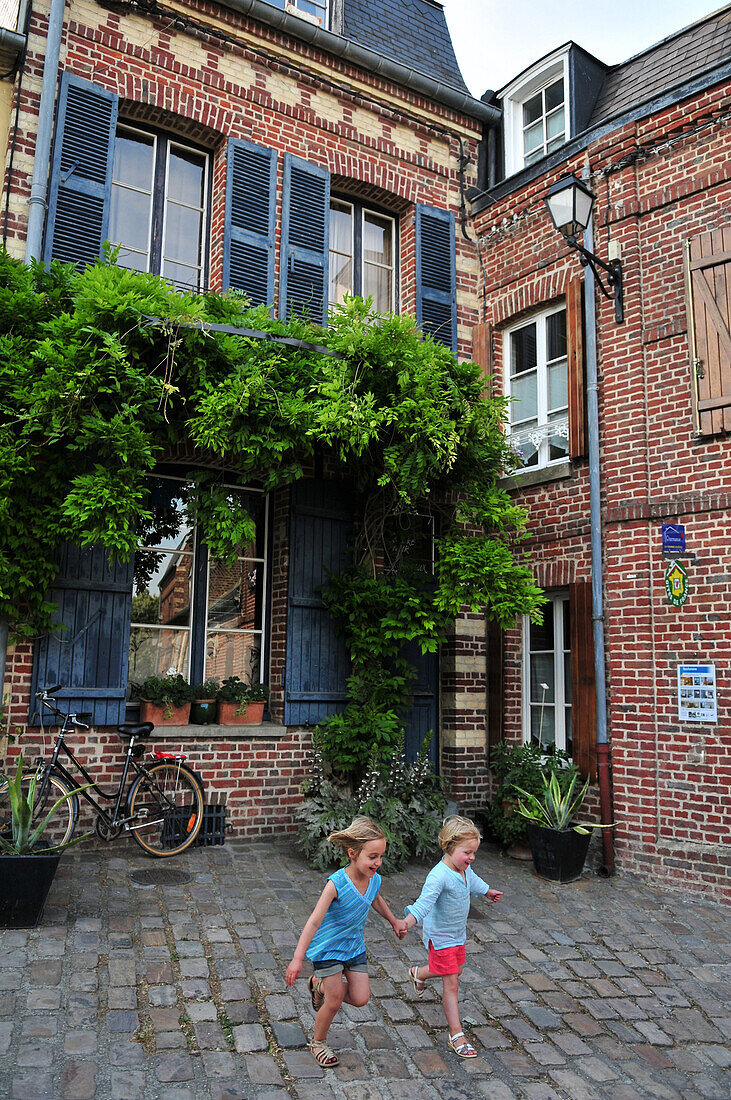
(526, 478)
(264, 731)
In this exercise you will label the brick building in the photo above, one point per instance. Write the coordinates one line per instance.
(650, 138)
(293, 151)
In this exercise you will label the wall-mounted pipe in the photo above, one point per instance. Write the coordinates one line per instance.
(42, 158)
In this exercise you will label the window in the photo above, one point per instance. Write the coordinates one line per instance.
(159, 206)
(537, 383)
(314, 11)
(547, 676)
(362, 254)
(192, 613)
(536, 112)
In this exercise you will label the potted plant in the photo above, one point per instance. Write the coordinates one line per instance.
(239, 703)
(165, 700)
(27, 867)
(203, 707)
(558, 844)
(523, 766)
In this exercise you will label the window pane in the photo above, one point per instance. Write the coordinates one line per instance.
(567, 677)
(129, 219)
(183, 235)
(528, 453)
(555, 125)
(523, 349)
(377, 281)
(543, 725)
(541, 634)
(554, 95)
(532, 109)
(186, 177)
(234, 595)
(525, 394)
(558, 386)
(533, 138)
(341, 229)
(186, 278)
(558, 441)
(566, 624)
(377, 239)
(255, 506)
(341, 278)
(541, 672)
(568, 731)
(231, 654)
(556, 334)
(154, 652)
(134, 156)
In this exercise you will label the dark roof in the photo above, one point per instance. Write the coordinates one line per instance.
(682, 57)
(412, 32)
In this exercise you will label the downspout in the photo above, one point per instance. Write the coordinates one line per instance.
(597, 598)
(42, 158)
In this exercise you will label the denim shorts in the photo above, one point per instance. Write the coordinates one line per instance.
(325, 967)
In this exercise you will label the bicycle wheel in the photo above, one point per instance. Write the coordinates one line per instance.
(63, 822)
(166, 803)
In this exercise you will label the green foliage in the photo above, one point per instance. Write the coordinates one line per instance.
(233, 690)
(526, 767)
(166, 691)
(555, 807)
(407, 802)
(206, 690)
(25, 837)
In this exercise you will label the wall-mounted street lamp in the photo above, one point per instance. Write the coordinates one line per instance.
(569, 203)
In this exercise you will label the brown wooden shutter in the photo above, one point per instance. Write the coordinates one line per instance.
(494, 682)
(482, 351)
(583, 690)
(575, 354)
(709, 327)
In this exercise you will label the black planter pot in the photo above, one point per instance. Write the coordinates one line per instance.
(558, 854)
(24, 885)
(203, 712)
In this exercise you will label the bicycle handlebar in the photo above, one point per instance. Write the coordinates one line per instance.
(43, 695)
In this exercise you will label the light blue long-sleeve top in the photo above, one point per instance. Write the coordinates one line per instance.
(444, 905)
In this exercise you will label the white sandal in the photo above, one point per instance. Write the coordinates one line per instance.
(417, 983)
(463, 1049)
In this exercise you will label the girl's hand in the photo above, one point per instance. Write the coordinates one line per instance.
(494, 895)
(400, 928)
(293, 971)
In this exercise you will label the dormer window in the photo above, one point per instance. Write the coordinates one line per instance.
(314, 11)
(536, 112)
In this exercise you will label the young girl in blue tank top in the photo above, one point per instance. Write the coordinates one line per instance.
(332, 938)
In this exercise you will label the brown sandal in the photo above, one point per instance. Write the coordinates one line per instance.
(317, 997)
(322, 1054)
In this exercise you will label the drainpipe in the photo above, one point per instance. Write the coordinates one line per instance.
(42, 158)
(597, 598)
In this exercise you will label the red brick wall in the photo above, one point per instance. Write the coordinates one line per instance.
(657, 183)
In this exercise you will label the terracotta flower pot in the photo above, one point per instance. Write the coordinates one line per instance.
(240, 714)
(167, 715)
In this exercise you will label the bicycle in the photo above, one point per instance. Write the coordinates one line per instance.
(163, 808)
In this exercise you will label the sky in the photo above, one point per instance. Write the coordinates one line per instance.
(495, 40)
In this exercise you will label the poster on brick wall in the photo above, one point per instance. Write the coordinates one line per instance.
(697, 693)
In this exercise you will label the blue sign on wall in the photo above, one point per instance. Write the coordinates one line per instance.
(673, 538)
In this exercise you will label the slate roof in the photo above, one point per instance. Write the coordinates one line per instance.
(682, 57)
(412, 32)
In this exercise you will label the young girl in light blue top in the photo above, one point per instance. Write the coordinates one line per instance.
(443, 906)
(332, 938)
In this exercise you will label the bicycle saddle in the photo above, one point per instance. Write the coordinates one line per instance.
(132, 729)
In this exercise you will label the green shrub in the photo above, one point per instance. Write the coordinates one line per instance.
(525, 766)
(166, 691)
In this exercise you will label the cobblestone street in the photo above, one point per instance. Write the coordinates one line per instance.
(594, 989)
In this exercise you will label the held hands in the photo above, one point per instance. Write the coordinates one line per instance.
(293, 971)
(494, 895)
(400, 928)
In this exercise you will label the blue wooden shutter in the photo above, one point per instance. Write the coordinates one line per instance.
(318, 664)
(303, 277)
(93, 597)
(248, 236)
(436, 293)
(81, 176)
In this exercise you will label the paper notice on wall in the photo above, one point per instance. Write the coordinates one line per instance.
(697, 693)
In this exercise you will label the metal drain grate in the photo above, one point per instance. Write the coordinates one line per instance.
(159, 876)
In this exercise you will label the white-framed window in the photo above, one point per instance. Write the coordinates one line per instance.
(191, 613)
(314, 11)
(362, 254)
(536, 112)
(536, 381)
(547, 675)
(159, 206)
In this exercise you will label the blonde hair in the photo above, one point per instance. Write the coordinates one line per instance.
(360, 831)
(455, 830)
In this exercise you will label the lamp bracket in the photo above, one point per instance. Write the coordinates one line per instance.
(613, 271)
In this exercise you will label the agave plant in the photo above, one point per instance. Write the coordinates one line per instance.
(556, 808)
(25, 833)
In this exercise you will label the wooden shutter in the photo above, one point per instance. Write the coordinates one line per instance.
(436, 281)
(248, 236)
(494, 682)
(575, 362)
(709, 314)
(81, 175)
(583, 690)
(318, 664)
(93, 597)
(482, 351)
(304, 262)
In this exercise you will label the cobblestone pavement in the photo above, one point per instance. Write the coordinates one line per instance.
(595, 989)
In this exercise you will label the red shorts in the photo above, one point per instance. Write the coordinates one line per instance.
(446, 961)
